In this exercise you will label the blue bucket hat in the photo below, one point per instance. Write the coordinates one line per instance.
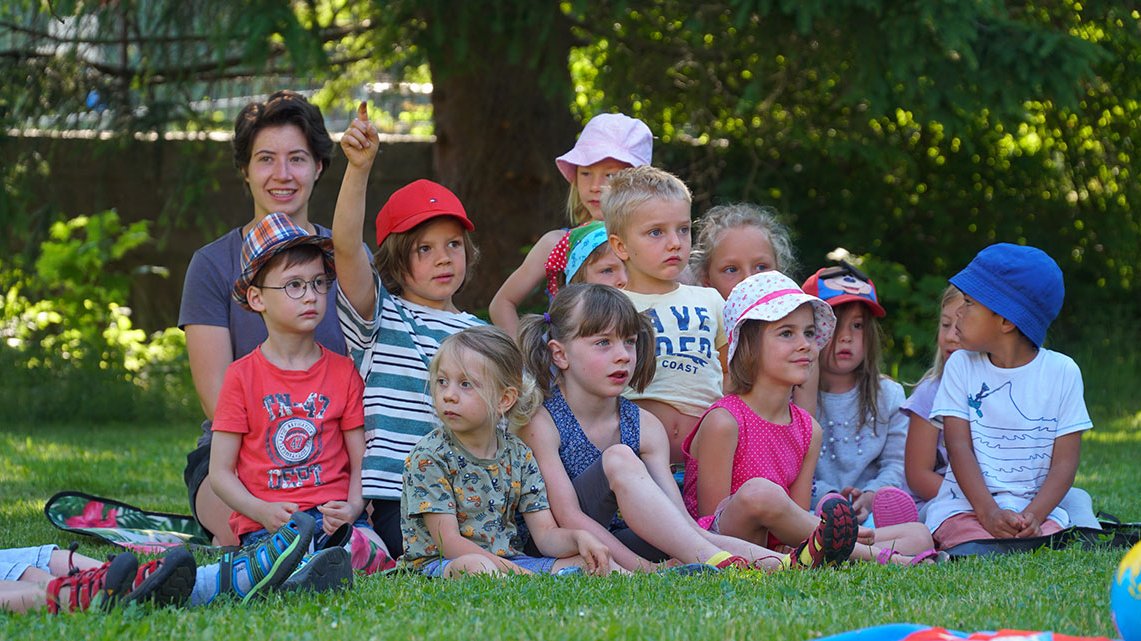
(1022, 284)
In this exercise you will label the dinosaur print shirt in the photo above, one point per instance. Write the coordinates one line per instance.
(485, 495)
(1015, 414)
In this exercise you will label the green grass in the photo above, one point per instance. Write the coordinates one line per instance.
(142, 464)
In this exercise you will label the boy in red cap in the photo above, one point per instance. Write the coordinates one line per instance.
(396, 310)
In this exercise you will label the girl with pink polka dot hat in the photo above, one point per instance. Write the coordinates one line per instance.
(750, 460)
(608, 143)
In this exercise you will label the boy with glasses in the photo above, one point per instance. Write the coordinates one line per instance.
(288, 429)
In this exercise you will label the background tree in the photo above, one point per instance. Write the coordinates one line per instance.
(914, 131)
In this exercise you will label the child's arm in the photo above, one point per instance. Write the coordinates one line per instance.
(542, 437)
(654, 450)
(224, 448)
(354, 270)
(714, 446)
(919, 458)
(890, 459)
(338, 513)
(504, 307)
(445, 531)
(560, 543)
(1003, 524)
(801, 488)
(1059, 480)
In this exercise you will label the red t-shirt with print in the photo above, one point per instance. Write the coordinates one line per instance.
(291, 423)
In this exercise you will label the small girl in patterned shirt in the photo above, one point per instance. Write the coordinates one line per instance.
(468, 479)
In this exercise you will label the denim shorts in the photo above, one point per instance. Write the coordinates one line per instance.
(319, 536)
(15, 561)
(536, 564)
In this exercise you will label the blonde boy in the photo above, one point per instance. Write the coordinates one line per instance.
(647, 218)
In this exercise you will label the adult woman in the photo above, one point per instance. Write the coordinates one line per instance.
(281, 148)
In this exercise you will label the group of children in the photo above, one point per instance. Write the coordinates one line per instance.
(674, 407)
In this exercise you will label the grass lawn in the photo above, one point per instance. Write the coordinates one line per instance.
(142, 464)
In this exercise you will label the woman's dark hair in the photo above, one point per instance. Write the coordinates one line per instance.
(282, 108)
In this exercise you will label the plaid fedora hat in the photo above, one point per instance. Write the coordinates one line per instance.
(270, 236)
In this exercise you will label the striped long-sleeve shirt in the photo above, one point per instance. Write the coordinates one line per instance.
(392, 353)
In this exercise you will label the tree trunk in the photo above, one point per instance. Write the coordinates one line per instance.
(499, 127)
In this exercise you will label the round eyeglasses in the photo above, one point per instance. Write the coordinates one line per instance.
(297, 287)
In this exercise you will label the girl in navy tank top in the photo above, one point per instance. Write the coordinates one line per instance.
(604, 460)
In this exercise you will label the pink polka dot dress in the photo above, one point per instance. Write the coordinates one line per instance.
(764, 449)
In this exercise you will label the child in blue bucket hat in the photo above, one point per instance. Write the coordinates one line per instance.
(1012, 412)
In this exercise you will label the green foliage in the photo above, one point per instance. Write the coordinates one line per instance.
(68, 336)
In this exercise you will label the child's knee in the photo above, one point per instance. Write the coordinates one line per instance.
(619, 460)
(470, 564)
(762, 496)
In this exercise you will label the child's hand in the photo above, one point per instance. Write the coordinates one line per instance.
(336, 514)
(595, 555)
(361, 140)
(862, 507)
(862, 504)
(1003, 524)
(273, 516)
(866, 535)
(507, 567)
(1033, 526)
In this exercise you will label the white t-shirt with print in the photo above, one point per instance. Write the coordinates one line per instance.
(1015, 415)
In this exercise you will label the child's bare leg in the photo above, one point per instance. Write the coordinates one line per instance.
(37, 576)
(471, 564)
(908, 539)
(663, 524)
(61, 562)
(761, 506)
(758, 555)
(649, 512)
(678, 425)
(22, 596)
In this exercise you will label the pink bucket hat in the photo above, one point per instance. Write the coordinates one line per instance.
(616, 136)
(771, 296)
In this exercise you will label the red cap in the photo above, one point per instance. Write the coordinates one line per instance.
(416, 202)
(844, 284)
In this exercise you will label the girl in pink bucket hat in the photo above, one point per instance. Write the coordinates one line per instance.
(609, 143)
(750, 461)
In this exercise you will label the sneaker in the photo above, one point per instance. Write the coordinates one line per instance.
(265, 565)
(892, 506)
(830, 495)
(165, 581)
(724, 560)
(322, 571)
(689, 569)
(100, 587)
(833, 540)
